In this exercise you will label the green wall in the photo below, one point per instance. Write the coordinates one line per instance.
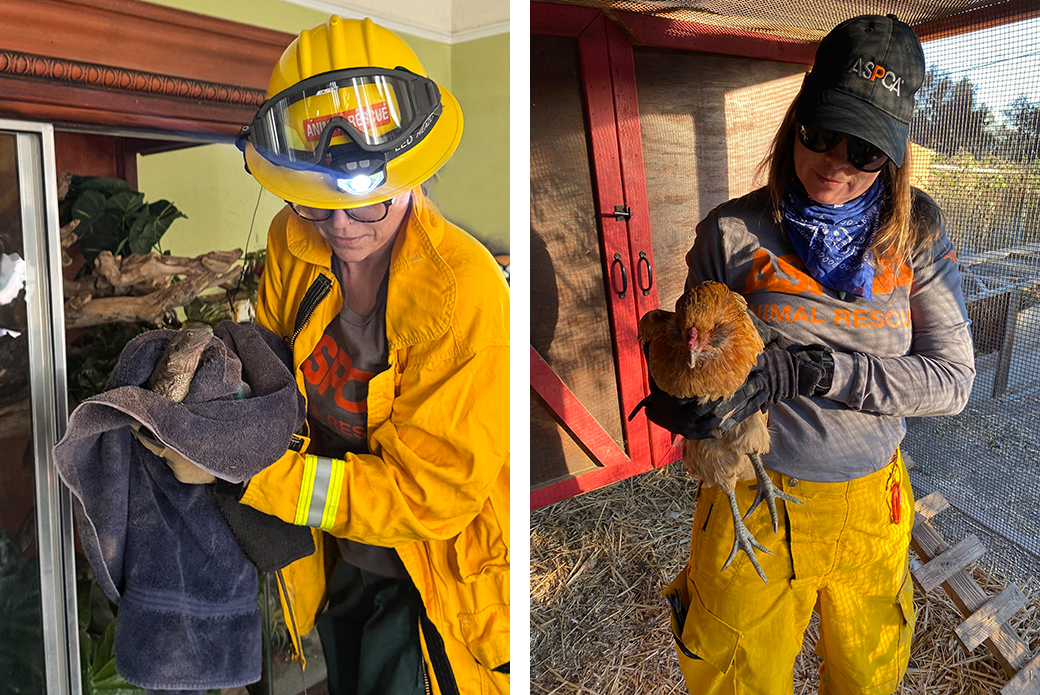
(210, 185)
(474, 192)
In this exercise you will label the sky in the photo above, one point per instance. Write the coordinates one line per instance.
(1003, 62)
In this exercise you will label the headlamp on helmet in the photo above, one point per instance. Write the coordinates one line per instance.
(347, 123)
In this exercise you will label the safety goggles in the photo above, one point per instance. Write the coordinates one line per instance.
(861, 154)
(349, 121)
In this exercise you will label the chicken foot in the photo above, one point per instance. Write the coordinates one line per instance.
(766, 490)
(743, 539)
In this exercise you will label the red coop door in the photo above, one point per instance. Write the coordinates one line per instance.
(591, 258)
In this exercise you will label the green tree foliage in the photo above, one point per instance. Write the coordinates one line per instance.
(989, 203)
(1021, 136)
(986, 175)
(949, 118)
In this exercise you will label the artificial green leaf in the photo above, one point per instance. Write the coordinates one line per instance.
(134, 236)
(146, 238)
(89, 206)
(163, 214)
(163, 208)
(86, 645)
(107, 681)
(126, 201)
(104, 650)
(83, 602)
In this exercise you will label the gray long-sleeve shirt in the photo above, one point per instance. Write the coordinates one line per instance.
(906, 353)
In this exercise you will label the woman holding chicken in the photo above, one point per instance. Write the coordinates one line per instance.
(852, 267)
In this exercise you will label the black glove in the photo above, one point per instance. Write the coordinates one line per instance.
(683, 416)
(779, 375)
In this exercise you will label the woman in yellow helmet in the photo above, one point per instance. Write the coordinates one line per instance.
(398, 324)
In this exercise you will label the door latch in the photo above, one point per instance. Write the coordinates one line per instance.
(622, 213)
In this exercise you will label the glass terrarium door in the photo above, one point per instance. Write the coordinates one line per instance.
(38, 634)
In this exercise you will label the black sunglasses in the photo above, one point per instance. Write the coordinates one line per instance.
(861, 154)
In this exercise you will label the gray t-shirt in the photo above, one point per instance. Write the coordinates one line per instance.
(352, 350)
(907, 353)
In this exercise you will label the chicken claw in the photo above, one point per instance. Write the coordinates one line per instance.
(743, 539)
(767, 491)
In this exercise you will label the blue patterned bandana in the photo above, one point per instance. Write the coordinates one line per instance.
(832, 240)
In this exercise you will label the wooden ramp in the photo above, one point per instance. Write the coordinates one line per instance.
(985, 617)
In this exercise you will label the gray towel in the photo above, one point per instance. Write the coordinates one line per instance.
(188, 614)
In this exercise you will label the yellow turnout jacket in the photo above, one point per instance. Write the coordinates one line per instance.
(436, 484)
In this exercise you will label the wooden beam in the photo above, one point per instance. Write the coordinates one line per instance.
(939, 569)
(598, 87)
(930, 505)
(976, 513)
(560, 20)
(1026, 681)
(572, 414)
(142, 36)
(706, 38)
(1010, 651)
(986, 620)
(129, 64)
(994, 15)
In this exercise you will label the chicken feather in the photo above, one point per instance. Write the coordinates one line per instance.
(704, 350)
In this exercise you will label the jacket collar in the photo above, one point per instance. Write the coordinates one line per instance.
(422, 290)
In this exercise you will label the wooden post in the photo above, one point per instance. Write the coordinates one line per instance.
(1000, 379)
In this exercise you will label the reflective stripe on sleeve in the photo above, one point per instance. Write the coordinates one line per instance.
(319, 493)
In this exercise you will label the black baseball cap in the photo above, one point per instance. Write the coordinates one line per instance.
(863, 81)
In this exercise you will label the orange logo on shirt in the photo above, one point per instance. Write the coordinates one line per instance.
(789, 276)
(328, 366)
(792, 277)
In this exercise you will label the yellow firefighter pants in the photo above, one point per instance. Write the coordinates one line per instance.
(843, 553)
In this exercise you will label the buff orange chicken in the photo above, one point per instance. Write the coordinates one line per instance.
(704, 350)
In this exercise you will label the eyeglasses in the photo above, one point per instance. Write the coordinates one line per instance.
(861, 154)
(376, 212)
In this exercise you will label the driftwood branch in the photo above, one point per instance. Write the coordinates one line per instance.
(68, 237)
(139, 288)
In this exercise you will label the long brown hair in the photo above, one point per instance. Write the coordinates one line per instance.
(901, 231)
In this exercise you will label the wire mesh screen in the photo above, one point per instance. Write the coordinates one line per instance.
(799, 20)
(978, 128)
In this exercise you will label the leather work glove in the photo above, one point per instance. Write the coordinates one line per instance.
(683, 416)
(779, 375)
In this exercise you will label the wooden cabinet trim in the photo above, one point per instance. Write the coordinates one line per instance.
(122, 63)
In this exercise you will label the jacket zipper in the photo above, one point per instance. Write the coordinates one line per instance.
(292, 618)
(426, 677)
(314, 296)
(438, 656)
